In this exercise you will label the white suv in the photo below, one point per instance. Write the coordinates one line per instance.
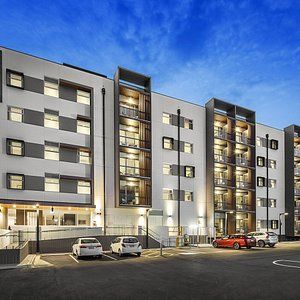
(126, 244)
(264, 238)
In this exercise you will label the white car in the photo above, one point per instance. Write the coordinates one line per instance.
(87, 247)
(264, 238)
(126, 244)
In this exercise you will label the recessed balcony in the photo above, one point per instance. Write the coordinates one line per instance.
(297, 152)
(222, 181)
(297, 191)
(243, 184)
(221, 158)
(242, 161)
(297, 171)
(223, 205)
(134, 171)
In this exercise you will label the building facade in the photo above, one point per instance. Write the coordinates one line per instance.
(79, 149)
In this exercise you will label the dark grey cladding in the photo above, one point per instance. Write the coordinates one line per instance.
(1, 84)
(34, 183)
(33, 84)
(68, 155)
(68, 93)
(33, 117)
(34, 150)
(68, 186)
(68, 124)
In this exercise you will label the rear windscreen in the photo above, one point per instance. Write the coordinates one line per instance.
(130, 240)
(89, 241)
(271, 233)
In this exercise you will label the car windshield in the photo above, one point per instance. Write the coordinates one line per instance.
(130, 240)
(89, 241)
(271, 233)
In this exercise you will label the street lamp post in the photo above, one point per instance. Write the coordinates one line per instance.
(178, 178)
(37, 230)
(267, 185)
(281, 214)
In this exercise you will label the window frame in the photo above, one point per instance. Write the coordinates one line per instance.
(9, 113)
(85, 181)
(263, 159)
(80, 156)
(80, 126)
(169, 168)
(192, 171)
(188, 193)
(83, 97)
(164, 117)
(274, 144)
(53, 113)
(171, 143)
(56, 178)
(189, 122)
(263, 181)
(54, 145)
(191, 147)
(51, 81)
(8, 79)
(170, 193)
(8, 181)
(8, 147)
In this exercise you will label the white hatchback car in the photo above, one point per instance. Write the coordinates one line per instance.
(264, 238)
(126, 244)
(87, 247)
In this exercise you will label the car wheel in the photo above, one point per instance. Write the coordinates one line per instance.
(100, 256)
(78, 256)
(271, 245)
(248, 247)
(120, 253)
(236, 246)
(138, 254)
(215, 245)
(112, 252)
(261, 244)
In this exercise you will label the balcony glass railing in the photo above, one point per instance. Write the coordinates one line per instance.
(133, 142)
(297, 191)
(244, 207)
(222, 181)
(243, 184)
(242, 139)
(222, 134)
(222, 158)
(297, 171)
(134, 171)
(241, 161)
(222, 205)
(134, 113)
(297, 152)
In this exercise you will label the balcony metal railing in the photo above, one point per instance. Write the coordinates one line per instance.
(297, 152)
(243, 184)
(244, 207)
(222, 205)
(134, 142)
(132, 199)
(134, 171)
(134, 113)
(297, 191)
(222, 134)
(222, 181)
(222, 158)
(297, 171)
(242, 139)
(240, 161)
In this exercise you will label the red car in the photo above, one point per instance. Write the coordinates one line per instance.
(235, 241)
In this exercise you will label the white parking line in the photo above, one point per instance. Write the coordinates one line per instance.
(74, 258)
(276, 262)
(109, 256)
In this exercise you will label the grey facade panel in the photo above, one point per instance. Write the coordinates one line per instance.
(34, 150)
(68, 186)
(1, 83)
(181, 146)
(67, 93)
(176, 195)
(68, 124)
(34, 183)
(33, 117)
(33, 84)
(68, 154)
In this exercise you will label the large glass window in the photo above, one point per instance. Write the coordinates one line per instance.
(51, 151)
(51, 120)
(188, 148)
(15, 79)
(272, 164)
(15, 181)
(15, 114)
(83, 127)
(83, 97)
(261, 181)
(167, 169)
(84, 187)
(130, 192)
(188, 196)
(260, 161)
(168, 194)
(166, 118)
(168, 143)
(272, 183)
(188, 124)
(189, 171)
(84, 157)
(129, 164)
(51, 87)
(274, 144)
(15, 147)
(51, 184)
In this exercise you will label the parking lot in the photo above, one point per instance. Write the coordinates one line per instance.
(182, 273)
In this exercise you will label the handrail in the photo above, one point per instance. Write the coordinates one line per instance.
(134, 113)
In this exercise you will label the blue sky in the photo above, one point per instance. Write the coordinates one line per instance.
(246, 52)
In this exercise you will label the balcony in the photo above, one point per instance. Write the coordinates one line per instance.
(297, 172)
(222, 205)
(243, 185)
(241, 161)
(244, 207)
(297, 152)
(222, 158)
(297, 191)
(134, 171)
(134, 113)
(134, 142)
(222, 134)
(222, 181)
(242, 139)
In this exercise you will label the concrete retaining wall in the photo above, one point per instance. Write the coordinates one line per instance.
(14, 256)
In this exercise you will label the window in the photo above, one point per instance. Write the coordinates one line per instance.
(260, 161)
(188, 148)
(15, 79)
(274, 144)
(51, 87)
(51, 119)
(168, 143)
(84, 157)
(272, 183)
(274, 224)
(259, 141)
(15, 181)
(272, 164)
(261, 181)
(167, 169)
(168, 194)
(51, 151)
(166, 118)
(52, 183)
(83, 97)
(262, 202)
(272, 203)
(188, 124)
(84, 187)
(15, 114)
(15, 147)
(188, 196)
(83, 127)
(189, 171)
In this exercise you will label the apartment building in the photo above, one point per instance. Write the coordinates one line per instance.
(81, 149)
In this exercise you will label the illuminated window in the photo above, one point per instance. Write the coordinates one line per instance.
(188, 124)
(51, 87)
(84, 187)
(274, 224)
(261, 181)
(189, 171)
(188, 148)
(15, 181)
(260, 161)
(272, 164)
(83, 127)
(168, 194)
(83, 97)
(272, 183)
(167, 169)
(51, 120)
(274, 144)
(84, 157)
(15, 147)
(15, 79)
(15, 114)
(166, 118)
(259, 142)
(168, 143)
(51, 151)
(188, 196)
(51, 184)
